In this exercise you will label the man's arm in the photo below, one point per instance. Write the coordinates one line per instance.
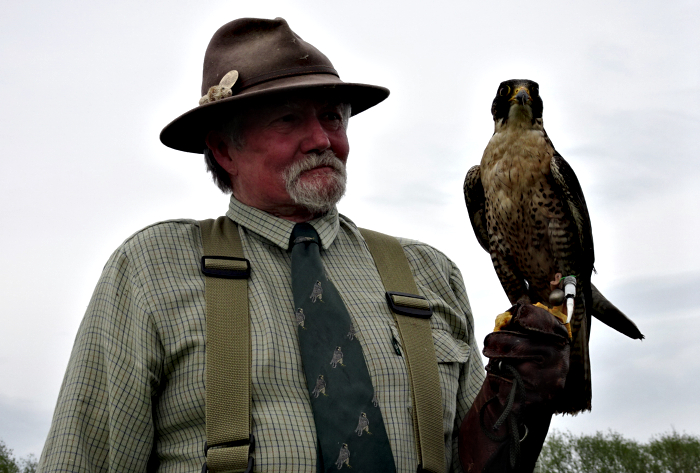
(472, 373)
(103, 418)
(460, 365)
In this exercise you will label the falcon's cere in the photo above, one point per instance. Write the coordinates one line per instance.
(527, 210)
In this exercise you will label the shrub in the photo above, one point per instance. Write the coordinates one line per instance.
(612, 453)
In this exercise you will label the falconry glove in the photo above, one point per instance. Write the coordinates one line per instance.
(528, 362)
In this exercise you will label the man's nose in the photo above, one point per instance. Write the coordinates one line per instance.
(316, 137)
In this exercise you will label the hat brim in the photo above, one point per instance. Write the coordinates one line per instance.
(189, 130)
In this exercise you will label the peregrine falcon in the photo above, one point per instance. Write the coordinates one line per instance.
(527, 210)
(317, 292)
(337, 357)
(300, 317)
(320, 387)
(343, 457)
(362, 425)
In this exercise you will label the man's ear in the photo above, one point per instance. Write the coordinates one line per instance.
(220, 147)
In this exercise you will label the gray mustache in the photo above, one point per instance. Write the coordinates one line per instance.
(327, 158)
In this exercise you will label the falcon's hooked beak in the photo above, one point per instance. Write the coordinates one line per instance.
(522, 96)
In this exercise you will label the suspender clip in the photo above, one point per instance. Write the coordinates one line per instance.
(411, 305)
(250, 442)
(227, 267)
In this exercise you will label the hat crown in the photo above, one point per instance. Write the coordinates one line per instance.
(258, 60)
(260, 50)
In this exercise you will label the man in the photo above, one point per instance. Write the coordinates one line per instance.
(272, 121)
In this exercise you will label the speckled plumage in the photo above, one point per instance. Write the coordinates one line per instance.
(528, 211)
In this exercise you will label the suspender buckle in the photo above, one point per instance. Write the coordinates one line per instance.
(250, 442)
(411, 305)
(226, 267)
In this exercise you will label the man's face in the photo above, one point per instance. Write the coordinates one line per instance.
(293, 157)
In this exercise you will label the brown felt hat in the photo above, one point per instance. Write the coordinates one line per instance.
(250, 59)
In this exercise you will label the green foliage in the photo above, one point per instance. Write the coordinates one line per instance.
(7, 460)
(8, 464)
(674, 453)
(612, 453)
(28, 464)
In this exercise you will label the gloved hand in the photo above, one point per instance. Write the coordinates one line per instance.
(528, 362)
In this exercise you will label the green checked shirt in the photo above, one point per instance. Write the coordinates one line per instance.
(133, 395)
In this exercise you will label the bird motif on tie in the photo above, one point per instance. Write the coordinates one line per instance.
(303, 239)
(337, 358)
(362, 425)
(320, 387)
(316, 292)
(352, 333)
(300, 317)
(343, 457)
(528, 212)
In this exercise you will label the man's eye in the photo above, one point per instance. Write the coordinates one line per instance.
(287, 118)
(333, 116)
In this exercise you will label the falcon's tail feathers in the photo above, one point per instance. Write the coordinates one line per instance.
(606, 312)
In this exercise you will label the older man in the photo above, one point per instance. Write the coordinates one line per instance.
(272, 123)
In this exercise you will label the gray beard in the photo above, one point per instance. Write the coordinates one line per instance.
(314, 195)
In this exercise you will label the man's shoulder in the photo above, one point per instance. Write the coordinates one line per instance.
(163, 235)
(156, 257)
(416, 246)
(420, 255)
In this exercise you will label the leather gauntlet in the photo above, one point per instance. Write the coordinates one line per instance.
(528, 362)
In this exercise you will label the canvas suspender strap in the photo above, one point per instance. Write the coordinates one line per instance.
(228, 350)
(412, 313)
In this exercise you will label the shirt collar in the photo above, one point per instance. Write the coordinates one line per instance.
(277, 230)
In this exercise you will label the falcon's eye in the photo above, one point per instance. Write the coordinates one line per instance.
(534, 91)
(503, 91)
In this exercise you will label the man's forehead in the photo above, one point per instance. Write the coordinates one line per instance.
(256, 112)
(296, 102)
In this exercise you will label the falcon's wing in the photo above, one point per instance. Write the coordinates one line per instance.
(600, 307)
(476, 205)
(571, 191)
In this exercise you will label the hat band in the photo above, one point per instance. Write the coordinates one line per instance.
(293, 71)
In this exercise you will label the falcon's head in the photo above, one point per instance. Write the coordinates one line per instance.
(517, 98)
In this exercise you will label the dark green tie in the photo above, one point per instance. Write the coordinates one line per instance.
(348, 420)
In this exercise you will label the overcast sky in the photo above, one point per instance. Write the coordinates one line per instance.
(86, 87)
